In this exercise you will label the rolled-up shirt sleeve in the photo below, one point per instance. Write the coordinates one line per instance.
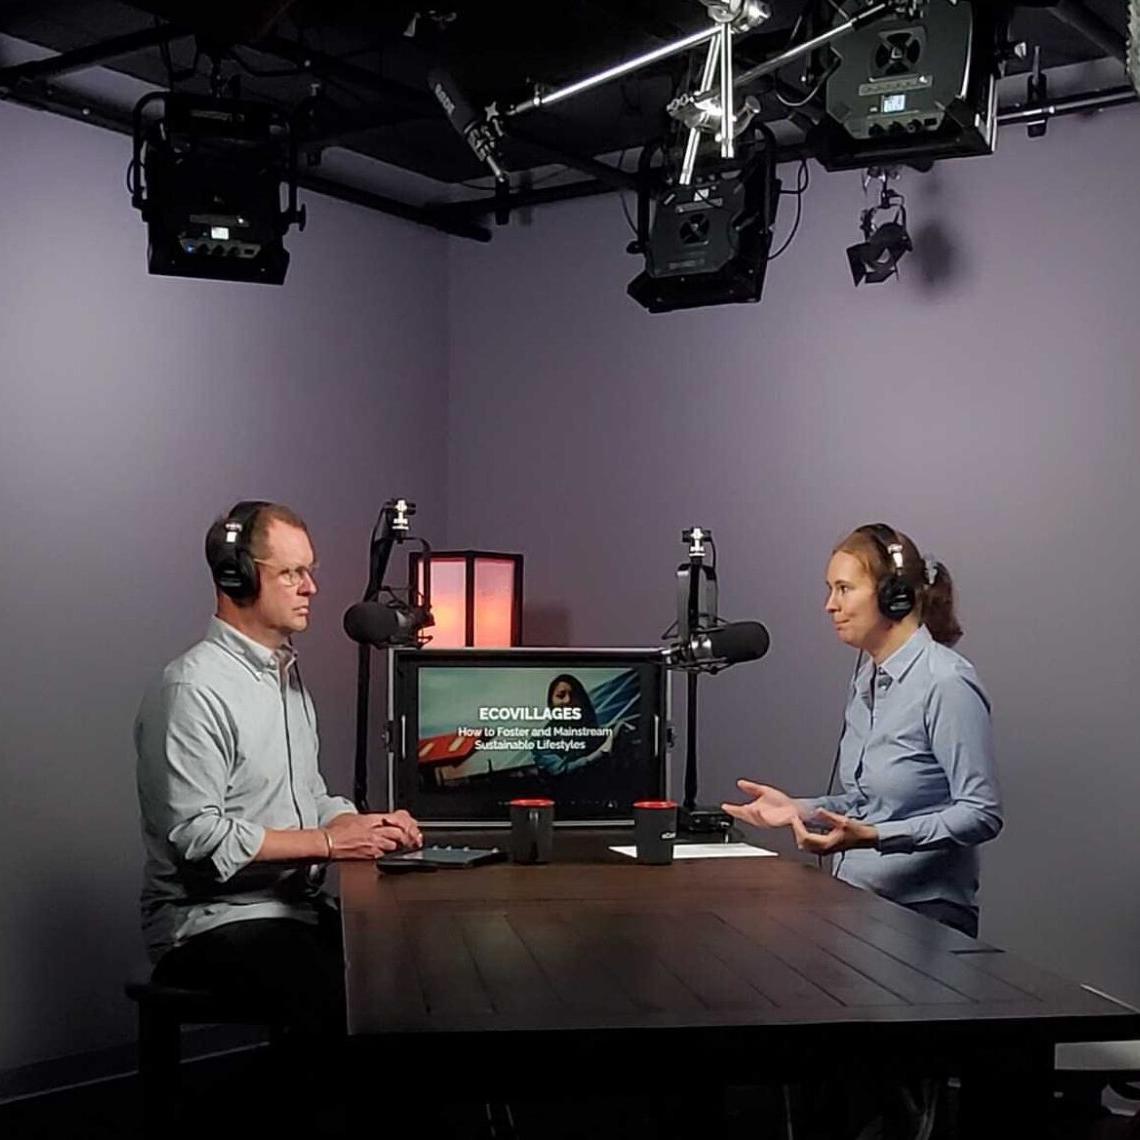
(842, 804)
(186, 754)
(961, 739)
(329, 807)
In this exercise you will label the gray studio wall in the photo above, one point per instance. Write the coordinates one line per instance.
(987, 403)
(133, 409)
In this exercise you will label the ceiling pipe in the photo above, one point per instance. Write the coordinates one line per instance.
(1092, 27)
(457, 218)
(522, 199)
(433, 217)
(406, 99)
(85, 110)
(618, 179)
(1070, 105)
(82, 58)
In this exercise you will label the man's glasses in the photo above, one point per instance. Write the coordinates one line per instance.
(291, 575)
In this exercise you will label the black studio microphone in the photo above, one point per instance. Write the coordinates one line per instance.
(480, 133)
(718, 648)
(371, 623)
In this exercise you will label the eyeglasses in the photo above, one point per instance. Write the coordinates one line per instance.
(292, 575)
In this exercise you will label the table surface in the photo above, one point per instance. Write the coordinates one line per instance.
(595, 941)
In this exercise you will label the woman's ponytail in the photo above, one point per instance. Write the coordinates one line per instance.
(938, 604)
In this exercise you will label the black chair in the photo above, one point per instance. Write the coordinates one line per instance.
(163, 1011)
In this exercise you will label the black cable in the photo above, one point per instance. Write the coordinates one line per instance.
(843, 727)
(839, 742)
(812, 93)
(803, 181)
(621, 197)
(306, 703)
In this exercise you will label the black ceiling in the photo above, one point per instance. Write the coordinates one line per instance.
(368, 62)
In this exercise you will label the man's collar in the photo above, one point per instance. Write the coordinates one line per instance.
(256, 657)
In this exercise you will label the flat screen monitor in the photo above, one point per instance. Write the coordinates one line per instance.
(473, 729)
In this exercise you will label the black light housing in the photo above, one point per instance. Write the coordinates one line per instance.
(914, 87)
(206, 176)
(876, 257)
(709, 241)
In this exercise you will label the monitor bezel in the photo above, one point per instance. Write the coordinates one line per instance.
(557, 656)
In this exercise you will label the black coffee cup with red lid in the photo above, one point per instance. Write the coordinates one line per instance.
(532, 830)
(655, 830)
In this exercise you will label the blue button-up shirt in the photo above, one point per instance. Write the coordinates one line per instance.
(917, 762)
(227, 747)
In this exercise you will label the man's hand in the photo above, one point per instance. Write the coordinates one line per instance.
(369, 836)
(843, 834)
(770, 808)
(402, 820)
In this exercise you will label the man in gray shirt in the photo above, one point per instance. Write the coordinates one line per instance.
(237, 821)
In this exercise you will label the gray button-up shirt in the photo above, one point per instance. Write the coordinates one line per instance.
(917, 761)
(227, 747)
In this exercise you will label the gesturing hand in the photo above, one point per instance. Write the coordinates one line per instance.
(843, 834)
(769, 808)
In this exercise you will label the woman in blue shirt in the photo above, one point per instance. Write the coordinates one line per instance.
(916, 763)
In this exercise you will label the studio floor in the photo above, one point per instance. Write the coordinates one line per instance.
(240, 1092)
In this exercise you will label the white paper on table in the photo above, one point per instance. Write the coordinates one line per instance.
(707, 851)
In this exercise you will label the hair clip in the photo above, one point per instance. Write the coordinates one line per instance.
(931, 565)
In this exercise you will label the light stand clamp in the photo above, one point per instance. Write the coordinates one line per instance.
(711, 109)
(888, 199)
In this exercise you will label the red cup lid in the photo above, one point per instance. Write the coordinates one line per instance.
(532, 803)
(655, 805)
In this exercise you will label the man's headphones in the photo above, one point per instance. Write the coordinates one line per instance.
(233, 567)
(894, 592)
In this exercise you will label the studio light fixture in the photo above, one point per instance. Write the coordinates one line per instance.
(709, 241)
(207, 175)
(914, 86)
(876, 257)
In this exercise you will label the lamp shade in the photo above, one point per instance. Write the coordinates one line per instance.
(476, 597)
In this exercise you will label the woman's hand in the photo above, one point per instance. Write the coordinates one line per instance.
(843, 834)
(769, 808)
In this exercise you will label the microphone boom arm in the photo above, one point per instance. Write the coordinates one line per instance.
(392, 526)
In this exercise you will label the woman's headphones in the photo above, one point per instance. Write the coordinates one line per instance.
(233, 567)
(894, 592)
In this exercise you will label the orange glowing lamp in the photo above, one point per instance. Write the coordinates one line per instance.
(476, 597)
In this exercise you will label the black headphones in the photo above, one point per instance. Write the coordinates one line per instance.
(895, 593)
(234, 570)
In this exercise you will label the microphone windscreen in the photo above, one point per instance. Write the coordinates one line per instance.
(371, 623)
(739, 641)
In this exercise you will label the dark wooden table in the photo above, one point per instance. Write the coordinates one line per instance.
(704, 973)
